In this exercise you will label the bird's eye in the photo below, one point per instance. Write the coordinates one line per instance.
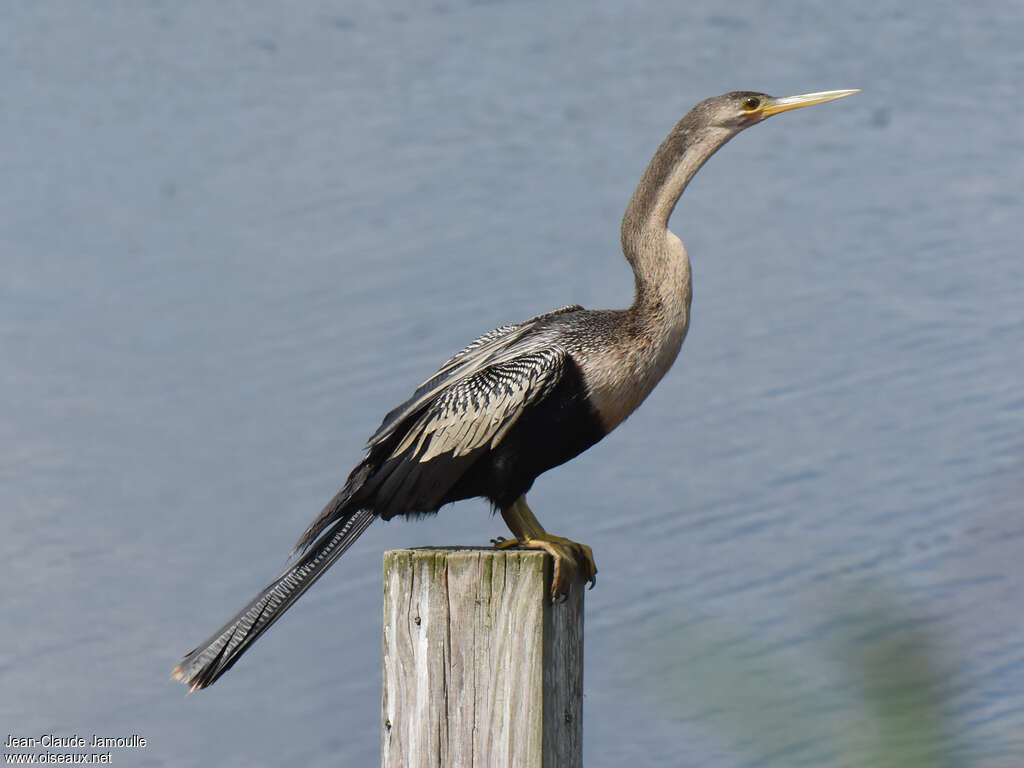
(751, 103)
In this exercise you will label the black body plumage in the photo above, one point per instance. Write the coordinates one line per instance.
(508, 407)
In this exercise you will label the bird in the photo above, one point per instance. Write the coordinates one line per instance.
(520, 399)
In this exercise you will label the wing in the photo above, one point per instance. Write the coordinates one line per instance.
(495, 347)
(435, 446)
(471, 402)
(477, 411)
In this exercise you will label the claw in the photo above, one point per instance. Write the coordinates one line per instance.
(572, 560)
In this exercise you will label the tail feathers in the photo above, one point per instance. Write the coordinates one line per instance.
(203, 665)
(337, 508)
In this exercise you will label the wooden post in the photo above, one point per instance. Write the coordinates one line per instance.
(480, 668)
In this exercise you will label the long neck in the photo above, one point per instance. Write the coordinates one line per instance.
(657, 257)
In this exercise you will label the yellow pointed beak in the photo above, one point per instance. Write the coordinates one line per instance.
(774, 106)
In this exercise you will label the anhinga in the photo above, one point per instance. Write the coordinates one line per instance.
(521, 399)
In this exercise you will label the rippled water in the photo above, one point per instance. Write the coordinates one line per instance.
(234, 235)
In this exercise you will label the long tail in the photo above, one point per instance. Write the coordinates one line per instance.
(203, 665)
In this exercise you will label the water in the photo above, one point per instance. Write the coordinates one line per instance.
(234, 235)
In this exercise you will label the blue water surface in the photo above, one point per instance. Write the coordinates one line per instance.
(234, 235)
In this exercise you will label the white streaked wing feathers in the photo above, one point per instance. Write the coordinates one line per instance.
(495, 347)
(478, 411)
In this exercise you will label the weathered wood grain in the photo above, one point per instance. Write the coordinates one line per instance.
(480, 669)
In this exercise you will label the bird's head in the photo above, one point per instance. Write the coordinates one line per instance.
(741, 109)
(699, 134)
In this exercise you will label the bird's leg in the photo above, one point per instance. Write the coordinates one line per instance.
(571, 558)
